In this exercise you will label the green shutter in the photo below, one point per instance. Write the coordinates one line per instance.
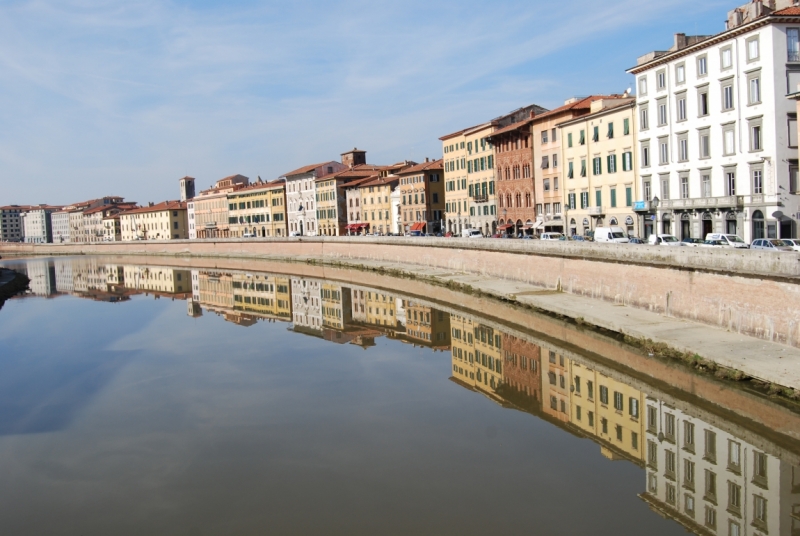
(470, 190)
(582, 139)
(583, 168)
(570, 172)
(491, 162)
(610, 130)
(569, 139)
(598, 198)
(595, 133)
(628, 196)
(613, 197)
(469, 166)
(626, 127)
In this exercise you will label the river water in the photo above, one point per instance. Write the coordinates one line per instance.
(138, 398)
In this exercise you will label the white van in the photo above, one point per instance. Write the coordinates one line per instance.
(471, 233)
(610, 234)
(664, 240)
(731, 240)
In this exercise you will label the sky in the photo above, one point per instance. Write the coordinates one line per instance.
(125, 98)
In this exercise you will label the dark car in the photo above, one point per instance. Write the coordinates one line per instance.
(635, 240)
(578, 238)
(693, 242)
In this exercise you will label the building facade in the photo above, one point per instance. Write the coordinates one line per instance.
(717, 136)
(481, 185)
(258, 210)
(599, 156)
(422, 197)
(37, 225)
(11, 227)
(376, 196)
(457, 199)
(210, 218)
(513, 149)
(301, 196)
(164, 221)
(331, 196)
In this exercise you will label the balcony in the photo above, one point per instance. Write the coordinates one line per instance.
(596, 211)
(729, 201)
(480, 198)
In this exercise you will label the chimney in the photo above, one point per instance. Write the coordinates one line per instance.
(150, 203)
(427, 159)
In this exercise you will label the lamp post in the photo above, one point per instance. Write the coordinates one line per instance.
(654, 203)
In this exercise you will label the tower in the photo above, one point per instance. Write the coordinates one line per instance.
(187, 188)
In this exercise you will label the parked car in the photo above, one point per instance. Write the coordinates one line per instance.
(634, 240)
(527, 237)
(731, 240)
(692, 242)
(471, 233)
(578, 238)
(664, 240)
(772, 244)
(553, 236)
(794, 242)
(714, 244)
(248, 235)
(415, 233)
(610, 234)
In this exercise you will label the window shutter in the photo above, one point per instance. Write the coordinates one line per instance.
(626, 127)
(611, 130)
(569, 139)
(569, 173)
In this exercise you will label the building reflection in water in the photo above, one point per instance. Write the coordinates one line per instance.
(703, 470)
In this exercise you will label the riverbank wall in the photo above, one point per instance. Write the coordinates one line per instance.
(750, 292)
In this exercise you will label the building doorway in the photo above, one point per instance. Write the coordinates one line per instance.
(301, 228)
(758, 224)
(666, 224)
(730, 223)
(708, 225)
(686, 227)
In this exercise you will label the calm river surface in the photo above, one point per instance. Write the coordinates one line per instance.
(192, 401)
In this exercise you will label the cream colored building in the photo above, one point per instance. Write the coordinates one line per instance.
(456, 191)
(258, 209)
(112, 230)
(376, 207)
(98, 222)
(210, 208)
(599, 182)
(165, 221)
(158, 279)
(488, 344)
(463, 349)
(481, 185)
(263, 296)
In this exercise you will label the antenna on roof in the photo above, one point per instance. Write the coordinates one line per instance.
(627, 92)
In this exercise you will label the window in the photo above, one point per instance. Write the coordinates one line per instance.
(544, 136)
(688, 436)
(569, 139)
(734, 497)
(643, 119)
(595, 133)
(582, 138)
(661, 79)
(628, 196)
(752, 49)
(728, 140)
(619, 399)
(555, 160)
(794, 184)
(688, 505)
(583, 167)
(645, 154)
(702, 65)
(760, 469)
(671, 495)
(726, 58)
(702, 102)
(793, 44)
(711, 486)
(662, 112)
(610, 130)
(626, 127)
(734, 456)
(664, 186)
(727, 96)
(584, 199)
(646, 186)
(642, 86)
(705, 143)
(570, 171)
(755, 135)
(612, 163)
(730, 182)
(627, 161)
(753, 89)
(760, 512)
(681, 107)
(688, 474)
(710, 452)
(597, 166)
(680, 73)
(711, 518)
(705, 184)
(792, 124)
(683, 147)
(663, 151)
(685, 187)
(604, 394)
(652, 455)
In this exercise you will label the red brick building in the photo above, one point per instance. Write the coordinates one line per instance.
(522, 373)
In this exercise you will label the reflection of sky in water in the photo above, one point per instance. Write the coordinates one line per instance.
(133, 418)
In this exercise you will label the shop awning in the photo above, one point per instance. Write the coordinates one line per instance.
(554, 223)
(535, 225)
(357, 226)
(505, 226)
(420, 225)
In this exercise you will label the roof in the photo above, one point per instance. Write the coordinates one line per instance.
(306, 169)
(580, 104)
(165, 205)
(120, 206)
(512, 127)
(186, 177)
(260, 186)
(626, 102)
(355, 172)
(359, 182)
(454, 134)
(379, 181)
(425, 166)
(788, 12)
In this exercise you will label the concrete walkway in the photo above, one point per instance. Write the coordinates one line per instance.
(763, 360)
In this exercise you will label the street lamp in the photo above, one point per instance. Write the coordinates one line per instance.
(654, 203)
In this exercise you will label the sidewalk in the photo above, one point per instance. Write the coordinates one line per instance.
(763, 360)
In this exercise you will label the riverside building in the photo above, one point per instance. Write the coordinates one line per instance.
(717, 136)
(301, 196)
(164, 221)
(598, 154)
(210, 217)
(422, 197)
(258, 210)
(454, 148)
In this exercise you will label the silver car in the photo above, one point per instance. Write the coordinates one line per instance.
(772, 244)
(794, 242)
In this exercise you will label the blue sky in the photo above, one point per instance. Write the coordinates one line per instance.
(124, 98)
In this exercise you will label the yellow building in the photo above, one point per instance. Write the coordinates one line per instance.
(555, 384)
(381, 310)
(209, 209)
(481, 184)
(262, 295)
(599, 167)
(376, 203)
(332, 210)
(215, 290)
(258, 210)
(336, 306)
(157, 279)
(463, 349)
(488, 345)
(609, 410)
(165, 221)
(456, 191)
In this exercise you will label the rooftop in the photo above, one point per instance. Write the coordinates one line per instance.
(424, 166)
(161, 207)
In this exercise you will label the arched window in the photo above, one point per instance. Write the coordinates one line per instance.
(758, 224)
(528, 200)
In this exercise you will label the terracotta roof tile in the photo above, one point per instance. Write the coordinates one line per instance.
(425, 166)
(166, 205)
(306, 169)
(580, 104)
(788, 12)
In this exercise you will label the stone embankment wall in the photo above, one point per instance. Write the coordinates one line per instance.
(748, 291)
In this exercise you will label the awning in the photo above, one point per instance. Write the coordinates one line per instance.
(536, 225)
(418, 226)
(504, 227)
(554, 223)
(357, 226)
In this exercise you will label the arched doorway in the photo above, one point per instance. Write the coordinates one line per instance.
(518, 228)
(263, 232)
(708, 225)
(301, 228)
(666, 224)
(758, 224)
(731, 226)
(573, 227)
(686, 226)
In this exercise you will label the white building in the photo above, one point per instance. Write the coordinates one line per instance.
(712, 481)
(397, 223)
(717, 138)
(306, 304)
(60, 224)
(37, 226)
(300, 196)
